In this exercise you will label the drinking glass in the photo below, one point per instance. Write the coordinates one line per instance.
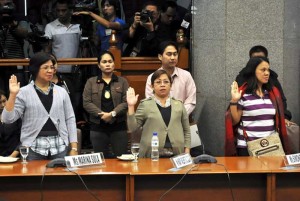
(135, 148)
(24, 150)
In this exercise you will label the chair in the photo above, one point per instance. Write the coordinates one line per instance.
(79, 139)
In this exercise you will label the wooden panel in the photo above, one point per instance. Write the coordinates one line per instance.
(138, 82)
(204, 187)
(62, 188)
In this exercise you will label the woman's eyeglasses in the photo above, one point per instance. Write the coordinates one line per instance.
(160, 82)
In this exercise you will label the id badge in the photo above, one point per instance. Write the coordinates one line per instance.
(107, 32)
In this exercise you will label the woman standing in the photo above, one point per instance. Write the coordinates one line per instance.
(162, 114)
(104, 98)
(48, 121)
(254, 107)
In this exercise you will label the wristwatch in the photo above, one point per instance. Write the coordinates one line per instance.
(113, 114)
(75, 149)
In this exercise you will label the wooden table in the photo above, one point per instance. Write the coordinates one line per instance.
(251, 179)
(22, 182)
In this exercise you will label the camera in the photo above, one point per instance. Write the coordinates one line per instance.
(85, 21)
(8, 8)
(145, 15)
(6, 12)
(37, 39)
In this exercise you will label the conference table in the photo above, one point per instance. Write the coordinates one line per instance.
(232, 178)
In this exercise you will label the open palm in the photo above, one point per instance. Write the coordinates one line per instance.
(131, 97)
(14, 85)
(236, 94)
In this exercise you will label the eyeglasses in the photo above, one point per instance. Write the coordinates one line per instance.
(160, 82)
(48, 68)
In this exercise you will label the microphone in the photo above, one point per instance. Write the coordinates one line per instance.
(186, 20)
(204, 158)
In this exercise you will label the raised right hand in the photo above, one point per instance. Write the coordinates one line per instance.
(236, 94)
(131, 97)
(14, 85)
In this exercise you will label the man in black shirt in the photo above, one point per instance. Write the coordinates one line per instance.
(146, 33)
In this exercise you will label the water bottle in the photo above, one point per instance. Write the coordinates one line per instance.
(154, 147)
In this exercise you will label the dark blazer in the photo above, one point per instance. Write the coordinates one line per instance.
(149, 117)
(92, 98)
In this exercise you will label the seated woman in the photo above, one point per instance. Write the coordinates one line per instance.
(162, 114)
(104, 98)
(48, 121)
(254, 107)
(9, 133)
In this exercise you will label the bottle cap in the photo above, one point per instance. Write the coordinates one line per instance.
(155, 133)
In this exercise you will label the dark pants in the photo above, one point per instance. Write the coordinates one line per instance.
(118, 139)
(35, 156)
(242, 152)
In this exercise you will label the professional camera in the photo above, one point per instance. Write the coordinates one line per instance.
(85, 21)
(85, 5)
(145, 15)
(8, 8)
(6, 12)
(36, 38)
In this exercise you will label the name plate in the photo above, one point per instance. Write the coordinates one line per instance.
(292, 159)
(181, 160)
(85, 160)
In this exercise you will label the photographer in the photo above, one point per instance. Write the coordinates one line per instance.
(35, 39)
(110, 9)
(149, 28)
(12, 36)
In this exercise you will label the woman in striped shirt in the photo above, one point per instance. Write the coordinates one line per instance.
(254, 106)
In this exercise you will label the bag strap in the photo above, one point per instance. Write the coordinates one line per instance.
(244, 133)
(277, 111)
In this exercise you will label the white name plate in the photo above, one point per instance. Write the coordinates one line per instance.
(85, 160)
(181, 160)
(292, 159)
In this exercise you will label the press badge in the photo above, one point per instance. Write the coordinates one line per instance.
(107, 32)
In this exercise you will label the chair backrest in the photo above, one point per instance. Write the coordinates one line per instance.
(79, 139)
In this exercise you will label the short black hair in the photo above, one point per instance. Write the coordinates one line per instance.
(258, 48)
(68, 2)
(103, 53)
(158, 73)
(115, 4)
(151, 3)
(166, 4)
(36, 61)
(163, 45)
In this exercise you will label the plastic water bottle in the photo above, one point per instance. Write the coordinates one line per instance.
(154, 146)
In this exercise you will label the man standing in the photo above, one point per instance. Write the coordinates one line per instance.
(64, 43)
(64, 36)
(183, 86)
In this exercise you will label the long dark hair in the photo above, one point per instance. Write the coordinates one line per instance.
(249, 75)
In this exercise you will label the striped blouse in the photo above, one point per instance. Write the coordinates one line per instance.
(258, 117)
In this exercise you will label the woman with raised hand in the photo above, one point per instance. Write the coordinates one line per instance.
(254, 108)
(104, 99)
(162, 114)
(48, 121)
